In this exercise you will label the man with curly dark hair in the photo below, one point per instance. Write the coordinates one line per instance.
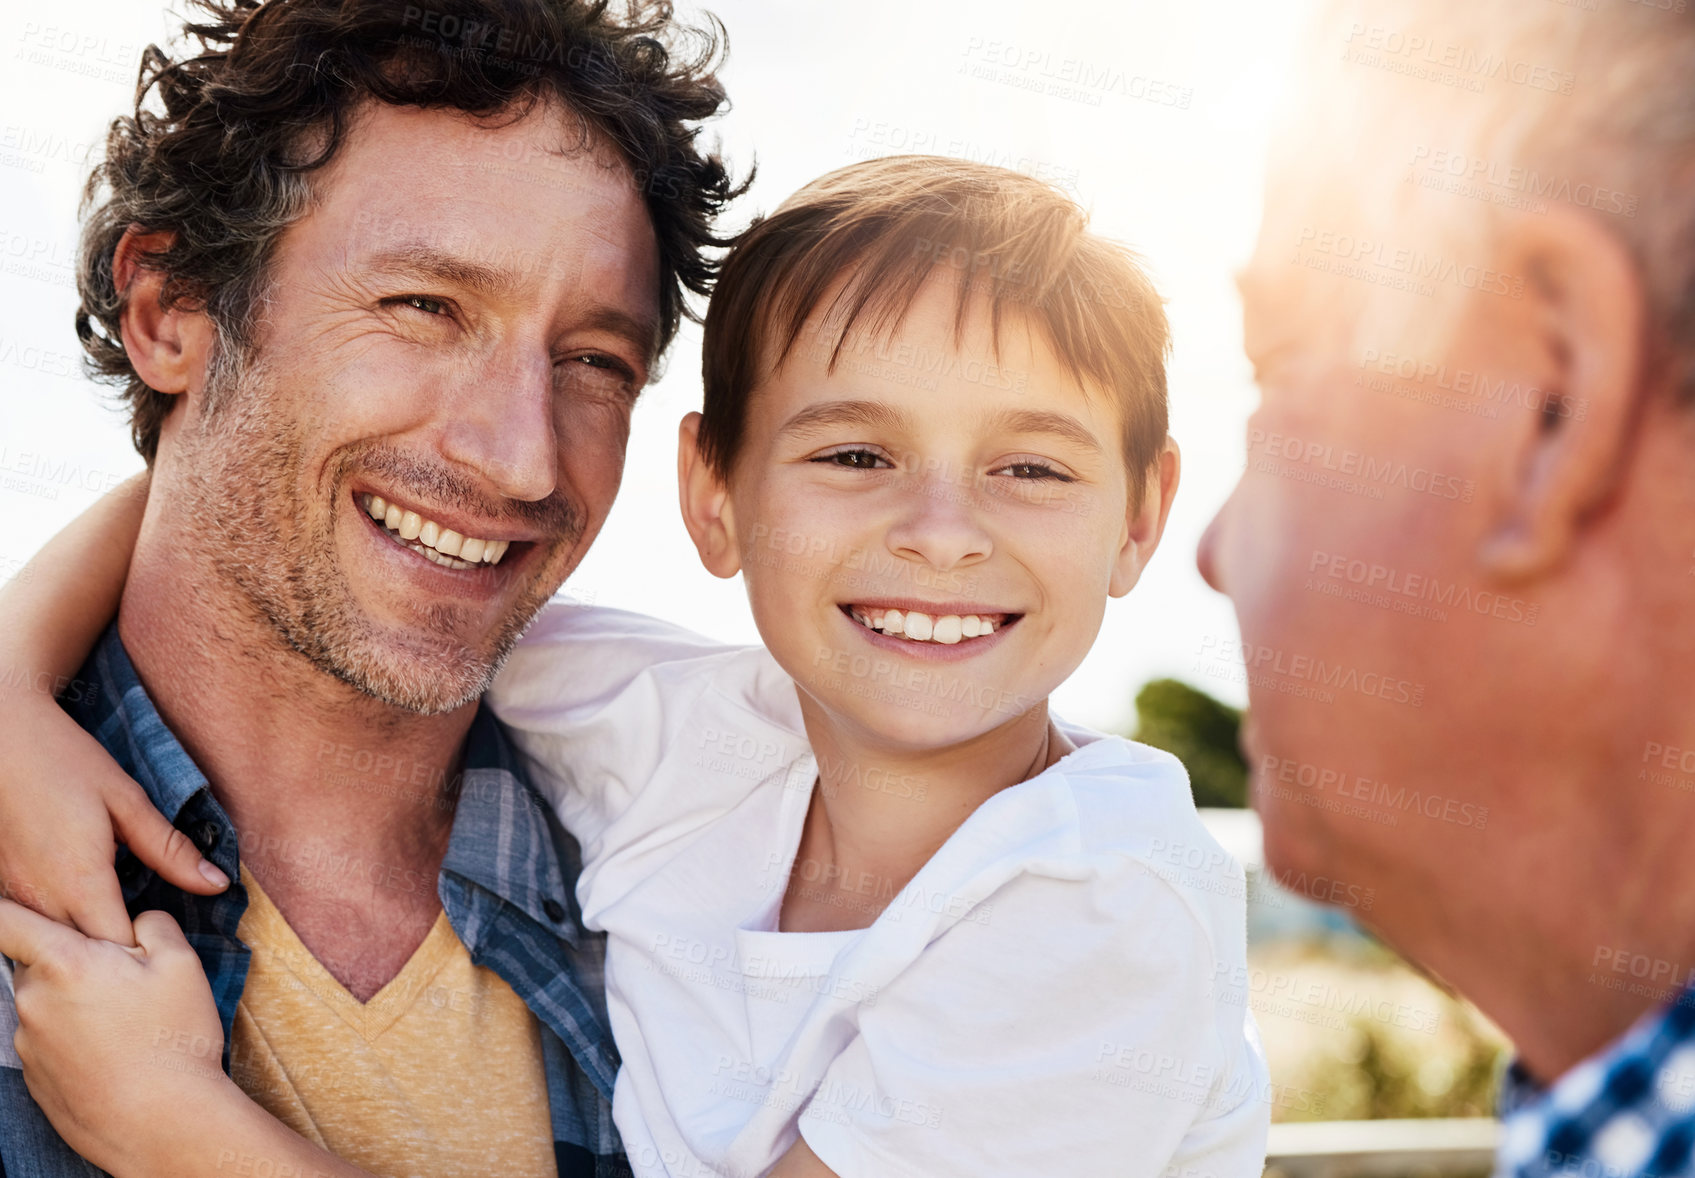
(380, 284)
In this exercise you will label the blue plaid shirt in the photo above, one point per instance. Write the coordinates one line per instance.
(1628, 1112)
(507, 885)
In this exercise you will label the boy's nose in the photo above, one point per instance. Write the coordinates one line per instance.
(939, 530)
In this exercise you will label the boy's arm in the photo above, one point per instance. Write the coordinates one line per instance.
(121, 1049)
(800, 1162)
(64, 803)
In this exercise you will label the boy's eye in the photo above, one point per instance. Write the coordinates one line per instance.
(853, 459)
(1033, 470)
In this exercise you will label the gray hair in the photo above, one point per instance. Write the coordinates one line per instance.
(1457, 112)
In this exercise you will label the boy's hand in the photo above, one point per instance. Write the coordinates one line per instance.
(117, 1043)
(64, 807)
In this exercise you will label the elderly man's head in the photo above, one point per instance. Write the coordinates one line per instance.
(1460, 551)
(381, 284)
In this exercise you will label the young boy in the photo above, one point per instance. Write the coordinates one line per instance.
(870, 909)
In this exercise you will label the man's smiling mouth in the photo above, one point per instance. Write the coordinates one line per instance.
(429, 539)
(918, 626)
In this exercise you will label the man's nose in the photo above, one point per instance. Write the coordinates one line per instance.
(503, 425)
(1207, 556)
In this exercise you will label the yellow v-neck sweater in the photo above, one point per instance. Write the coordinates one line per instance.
(440, 1074)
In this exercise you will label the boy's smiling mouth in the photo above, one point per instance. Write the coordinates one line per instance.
(929, 627)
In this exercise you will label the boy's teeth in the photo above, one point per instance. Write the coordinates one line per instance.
(915, 626)
(432, 541)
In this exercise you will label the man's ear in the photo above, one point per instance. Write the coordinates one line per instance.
(1586, 315)
(168, 347)
(1144, 524)
(706, 506)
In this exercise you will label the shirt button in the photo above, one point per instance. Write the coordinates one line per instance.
(205, 836)
(555, 911)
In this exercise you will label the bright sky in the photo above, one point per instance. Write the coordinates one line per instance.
(1155, 114)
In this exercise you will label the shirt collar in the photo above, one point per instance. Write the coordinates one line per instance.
(1519, 1089)
(504, 838)
(1654, 1034)
(109, 700)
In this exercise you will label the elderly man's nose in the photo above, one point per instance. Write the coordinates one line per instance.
(1207, 552)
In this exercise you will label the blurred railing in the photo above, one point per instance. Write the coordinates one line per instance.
(1427, 1148)
(1431, 1147)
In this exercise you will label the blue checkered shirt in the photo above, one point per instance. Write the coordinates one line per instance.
(507, 885)
(1628, 1112)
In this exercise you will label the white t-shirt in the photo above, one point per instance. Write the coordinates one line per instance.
(1048, 996)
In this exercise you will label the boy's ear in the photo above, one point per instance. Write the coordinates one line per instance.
(1144, 524)
(706, 504)
(167, 347)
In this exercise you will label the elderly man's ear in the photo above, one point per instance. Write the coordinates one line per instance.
(167, 347)
(1584, 312)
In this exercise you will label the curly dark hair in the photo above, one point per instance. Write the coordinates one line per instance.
(222, 142)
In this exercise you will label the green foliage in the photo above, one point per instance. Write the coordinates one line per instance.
(1201, 732)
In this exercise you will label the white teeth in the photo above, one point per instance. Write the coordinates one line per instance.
(445, 561)
(432, 541)
(947, 629)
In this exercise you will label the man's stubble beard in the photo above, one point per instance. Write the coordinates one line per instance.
(241, 463)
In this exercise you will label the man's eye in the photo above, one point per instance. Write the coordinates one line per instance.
(597, 375)
(852, 459)
(422, 303)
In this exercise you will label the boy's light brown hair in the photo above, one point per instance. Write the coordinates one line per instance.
(888, 225)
